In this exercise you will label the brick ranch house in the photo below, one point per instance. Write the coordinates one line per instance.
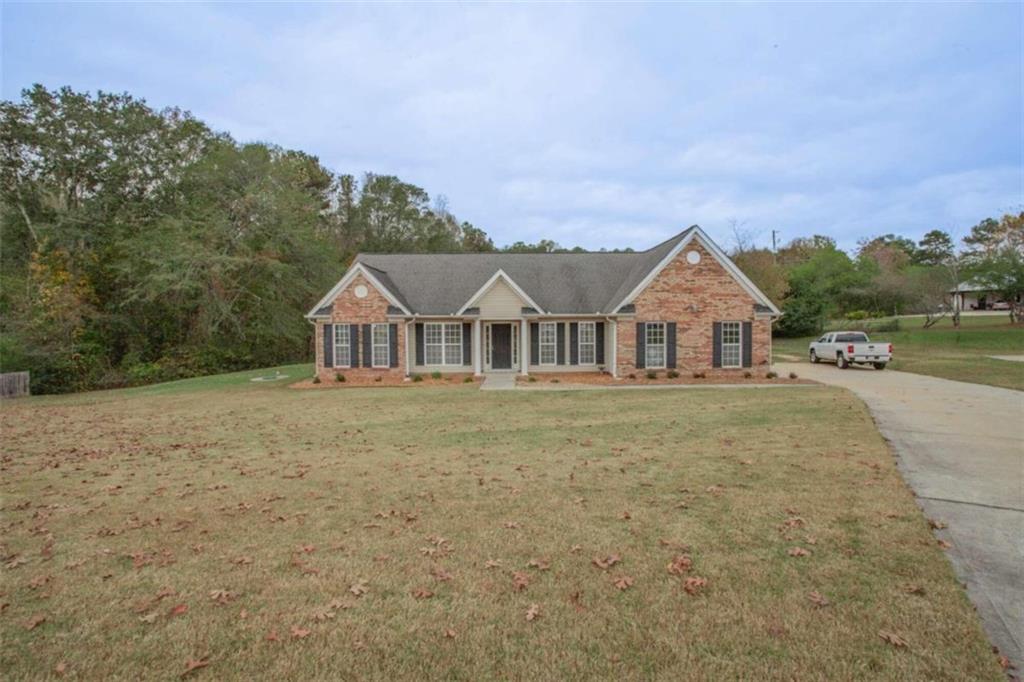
(679, 305)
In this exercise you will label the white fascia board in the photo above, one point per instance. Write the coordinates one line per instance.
(500, 274)
(357, 268)
(719, 255)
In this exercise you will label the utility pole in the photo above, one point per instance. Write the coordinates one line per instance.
(774, 256)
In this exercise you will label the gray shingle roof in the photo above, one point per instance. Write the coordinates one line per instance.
(582, 283)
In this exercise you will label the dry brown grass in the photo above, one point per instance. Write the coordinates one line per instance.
(381, 534)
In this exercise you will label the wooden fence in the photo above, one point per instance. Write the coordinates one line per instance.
(13, 384)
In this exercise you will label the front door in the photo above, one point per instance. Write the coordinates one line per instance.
(501, 346)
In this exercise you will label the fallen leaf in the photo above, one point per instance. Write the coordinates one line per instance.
(35, 621)
(449, 633)
(441, 575)
(221, 596)
(892, 638)
(680, 565)
(936, 525)
(178, 610)
(149, 617)
(818, 599)
(422, 593)
(914, 589)
(626, 516)
(60, 668)
(520, 580)
(539, 564)
(606, 562)
(511, 524)
(359, 588)
(492, 563)
(623, 582)
(272, 636)
(533, 613)
(193, 664)
(798, 551)
(694, 584)
(945, 544)
(300, 633)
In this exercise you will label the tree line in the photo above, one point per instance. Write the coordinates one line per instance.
(814, 281)
(139, 245)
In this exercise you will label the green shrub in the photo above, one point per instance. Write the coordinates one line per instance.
(803, 316)
(747, 374)
(651, 374)
(857, 315)
(339, 377)
(555, 381)
(378, 378)
(672, 374)
(699, 375)
(467, 380)
(533, 379)
(316, 380)
(772, 375)
(632, 376)
(792, 375)
(417, 377)
(435, 375)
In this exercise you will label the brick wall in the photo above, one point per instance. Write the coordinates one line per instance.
(694, 297)
(348, 309)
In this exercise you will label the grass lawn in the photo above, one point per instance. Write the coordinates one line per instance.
(397, 533)
(943, 351)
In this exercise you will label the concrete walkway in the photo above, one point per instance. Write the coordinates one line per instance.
(960, 446)
(499, 382)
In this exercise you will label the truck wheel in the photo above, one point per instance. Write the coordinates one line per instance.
(814, 357)
(879, 365)
(842, 362)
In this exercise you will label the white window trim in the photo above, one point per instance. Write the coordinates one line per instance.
(592, 343)
(374, 345)
(553, 326)
(738, 344)
(445, 360)
(663, 345)
(348, 353)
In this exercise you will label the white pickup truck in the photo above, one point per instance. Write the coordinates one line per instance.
(846, 348)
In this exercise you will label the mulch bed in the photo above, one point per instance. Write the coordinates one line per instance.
(448, 381)
(757, 377)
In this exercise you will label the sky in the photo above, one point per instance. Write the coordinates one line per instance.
(599, 125)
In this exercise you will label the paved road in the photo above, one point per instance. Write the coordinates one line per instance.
(960, 446)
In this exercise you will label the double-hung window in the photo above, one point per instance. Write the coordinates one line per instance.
(381, 345)
(342, 345)
(587, 343)
(548, 343)
(654, 345)
(442, 343)
(731, 355)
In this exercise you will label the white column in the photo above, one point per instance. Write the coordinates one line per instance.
(524, 347)
(611, 341)
(477, 348)
(408, 360)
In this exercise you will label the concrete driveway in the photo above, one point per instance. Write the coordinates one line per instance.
(960, 446)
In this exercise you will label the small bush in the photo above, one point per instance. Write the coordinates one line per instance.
(632, 376)
(435, 375)
(316, 380)
(858, 315)
(555, 381)
(747, 374)
(339, 377)
(792, 375)
(651, 374)
(378, 379)
(417, 377)
(699, 375)
(672, 374)
(467, 380)
(772, 375)
(533, 380)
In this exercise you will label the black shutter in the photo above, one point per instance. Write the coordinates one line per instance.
(561, 342)
(748, 344)
(393, 343)
(419, 343)
(534, 343)
(367, 345)
(467, 343)
(641, 345)
(353, 341)
(670, 345)
(716, 344)
(574, 343)
(328, 345)
(599, 342)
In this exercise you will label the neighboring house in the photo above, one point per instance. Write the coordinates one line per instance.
(680, 305)
(977, 294)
